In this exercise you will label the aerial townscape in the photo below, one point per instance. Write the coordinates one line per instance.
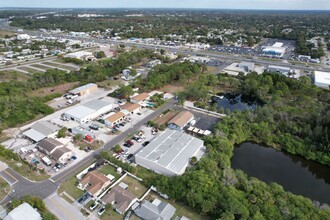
(164, 110)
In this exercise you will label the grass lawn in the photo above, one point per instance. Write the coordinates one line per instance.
(62, 89)
(41, 66)
(134, 186)
(23, 169)
(111, 214)
(181, 209)
(108, 169)
(30, 70)
(70, 187)
(172, 88)
(4, 188)
(109, 84)
(212, 69)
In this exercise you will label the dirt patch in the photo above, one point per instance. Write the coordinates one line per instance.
(62, 89)
(165, 118)
(172, 88)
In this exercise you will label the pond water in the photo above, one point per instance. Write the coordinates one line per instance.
(294, 173)
(234, 102)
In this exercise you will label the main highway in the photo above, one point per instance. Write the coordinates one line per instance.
(4, 25)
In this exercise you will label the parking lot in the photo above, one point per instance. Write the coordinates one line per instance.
(257, 51)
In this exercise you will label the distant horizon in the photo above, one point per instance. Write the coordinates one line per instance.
(141, 8)
(295, 5)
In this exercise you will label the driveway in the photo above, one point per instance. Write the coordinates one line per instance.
(62, 209)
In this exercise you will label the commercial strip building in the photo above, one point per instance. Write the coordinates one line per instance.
(40, 130)
(180, 121)
(322, 79)
(279, 69)
(88, 111)
(170, 153)
(277, 50)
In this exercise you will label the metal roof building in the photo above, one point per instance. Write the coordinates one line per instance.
(40, 130)
(23, 211)
(322, 79)
(85, 89)
(170, 153)
(88, 111)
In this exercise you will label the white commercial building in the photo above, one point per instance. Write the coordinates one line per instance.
(81, 55)
(279, 69)
(277, 50)
(322, 79)
(170, 153)
(23, 37)
(88, 111)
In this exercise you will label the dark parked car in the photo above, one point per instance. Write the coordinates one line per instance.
(59, 166)
(74, 158)
(83, 198)
(145, 143)
(129, 156)
(94, 127)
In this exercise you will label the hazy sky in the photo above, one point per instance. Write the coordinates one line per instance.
(225, 4)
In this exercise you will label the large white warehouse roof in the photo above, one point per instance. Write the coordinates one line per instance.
(169, 153)
(322, 79)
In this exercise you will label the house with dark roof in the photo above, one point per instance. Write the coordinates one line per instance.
(94, 183)
(181, 120)
(120, 199)
(156, 210)
(49, 145)
(61, 154)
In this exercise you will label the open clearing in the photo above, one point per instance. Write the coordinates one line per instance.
(62, 89)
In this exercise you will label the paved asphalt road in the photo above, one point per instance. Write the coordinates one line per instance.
(62, 209)
(45, 188)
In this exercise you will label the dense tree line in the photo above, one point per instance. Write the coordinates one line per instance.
(164, 74)
(296, 116)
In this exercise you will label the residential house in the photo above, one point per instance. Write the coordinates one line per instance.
(49, 145)
(132, 108)
(180, 120)
(155, 210)
(61, 154)
(94, 183)
(140, 98)
(114, 118)
(120, 199)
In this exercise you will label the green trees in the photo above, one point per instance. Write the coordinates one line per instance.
(100, 54)
(62, 132)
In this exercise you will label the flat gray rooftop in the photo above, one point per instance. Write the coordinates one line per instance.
(171, 150)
